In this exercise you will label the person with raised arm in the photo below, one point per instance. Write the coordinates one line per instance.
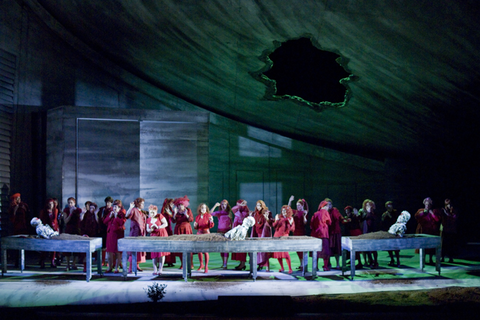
(224, 223)
(300, 220)
(137, 228)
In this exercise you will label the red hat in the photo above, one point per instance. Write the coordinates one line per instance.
(323, 204)
(239, 202)
(348, 207)
(14, 196)
(185, 201)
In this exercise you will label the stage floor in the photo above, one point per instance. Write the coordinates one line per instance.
(55, 290)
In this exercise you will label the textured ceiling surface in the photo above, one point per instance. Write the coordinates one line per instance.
(415, 62)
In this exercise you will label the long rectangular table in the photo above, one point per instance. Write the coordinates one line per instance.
(58, 244)
(417, 241)
(249, 245)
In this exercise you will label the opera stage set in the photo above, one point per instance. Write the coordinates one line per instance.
(242, 99)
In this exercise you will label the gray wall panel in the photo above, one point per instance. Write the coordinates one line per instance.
(107, 165)
(123, 154)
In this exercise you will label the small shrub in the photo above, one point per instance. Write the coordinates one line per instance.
(156, 291)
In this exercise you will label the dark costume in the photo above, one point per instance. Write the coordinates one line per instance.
(449, 218)
(19, 217)
(89, 225)
(388, 219)
(73, 225)
(335, 232)
(168, 215)
(102, 213)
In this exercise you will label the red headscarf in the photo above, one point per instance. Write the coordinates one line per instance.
(185, 201)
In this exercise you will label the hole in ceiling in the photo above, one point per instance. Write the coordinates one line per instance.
(300, 71)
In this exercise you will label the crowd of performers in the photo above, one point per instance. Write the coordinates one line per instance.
(108, 222)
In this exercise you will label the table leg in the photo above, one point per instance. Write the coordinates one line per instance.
(4, 261)
(304, 263)
(89, 264)
(344, 261)
(314, 263)
(438, 259)
(22, 260)
(190, 259)
(134, 262)
(253, 259)
(186, 265)
(250, 261)
(422, 258)
(124, 264)
(352, 263)
(99, 261)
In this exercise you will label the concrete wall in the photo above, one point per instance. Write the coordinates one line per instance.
(97, 152)
(244, 161)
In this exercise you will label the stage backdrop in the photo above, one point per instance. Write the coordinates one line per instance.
(95, 152)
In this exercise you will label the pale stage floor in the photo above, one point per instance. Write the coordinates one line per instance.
(229, 293)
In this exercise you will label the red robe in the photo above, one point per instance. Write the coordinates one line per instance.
(102, 213)
(299, 223)
(240, 214)
(282, 228)
(170, 259)
(335, 232)
(224, 221)
(262, 229)
(73, 227)
(203, 223)
(319, 224)
(50, 218)
(430, 223)
(169, 219)
(352, 227)
(158, 232)
(89, 225)
(19, 219)
(115, 230)
(182, 223)
(138, 229)
(138, 223)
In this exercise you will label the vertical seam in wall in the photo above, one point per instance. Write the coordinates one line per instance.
(76, 158)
